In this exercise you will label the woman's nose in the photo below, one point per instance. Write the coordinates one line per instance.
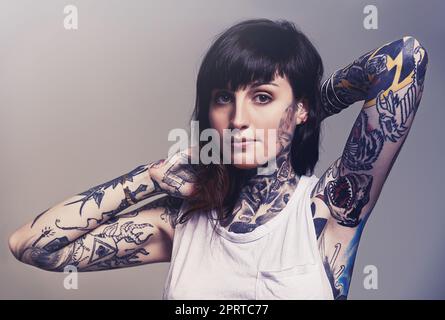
(239, 119)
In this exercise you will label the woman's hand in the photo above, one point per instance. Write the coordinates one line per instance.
(175, 175)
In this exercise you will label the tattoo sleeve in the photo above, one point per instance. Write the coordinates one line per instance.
(59, 226)
(131, 239)
(391, 80)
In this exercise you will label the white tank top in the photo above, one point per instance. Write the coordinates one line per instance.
(278, 260)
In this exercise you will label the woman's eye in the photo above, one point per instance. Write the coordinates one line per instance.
(262, 99)
(222, 98)
(225, 98)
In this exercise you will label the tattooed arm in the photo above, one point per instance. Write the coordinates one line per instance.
(138, 237)
(390, 79)
(63, 223)
(49, 241)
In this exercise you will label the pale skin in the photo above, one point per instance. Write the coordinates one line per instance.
(88, 230)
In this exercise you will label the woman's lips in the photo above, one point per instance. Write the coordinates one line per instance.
(243, 143)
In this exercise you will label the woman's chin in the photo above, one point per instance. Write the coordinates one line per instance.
(244, 166)
(246, 163)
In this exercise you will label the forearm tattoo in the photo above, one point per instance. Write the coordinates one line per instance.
(119, 242)
(99, 193)
(61, 225)
(374, 72)
(93, 251)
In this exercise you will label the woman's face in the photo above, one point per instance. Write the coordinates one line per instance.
(268, 106)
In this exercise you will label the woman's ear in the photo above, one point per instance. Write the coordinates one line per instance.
(302, 111)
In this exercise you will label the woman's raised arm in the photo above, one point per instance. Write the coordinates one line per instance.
(391, 80)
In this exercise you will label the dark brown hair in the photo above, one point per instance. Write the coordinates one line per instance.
(256, 50)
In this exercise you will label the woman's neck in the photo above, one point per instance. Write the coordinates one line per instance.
(262, 196)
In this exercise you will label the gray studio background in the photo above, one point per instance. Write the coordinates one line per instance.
(78, 108)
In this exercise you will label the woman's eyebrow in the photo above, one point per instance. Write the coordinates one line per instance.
(252, 86)
(259, 83)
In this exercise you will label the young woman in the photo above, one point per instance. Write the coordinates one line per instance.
(230, 230)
